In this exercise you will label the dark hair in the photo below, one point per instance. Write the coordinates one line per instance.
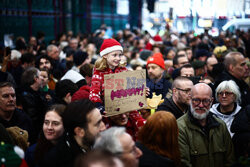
(58, 108)
(86, 70)
(75, 115)
(175, 59)
(20, 44)
(79, 57)
(43, 56)
(185, 66)
(187, 48)
(27, 58)
(64, 87)
(6, 84)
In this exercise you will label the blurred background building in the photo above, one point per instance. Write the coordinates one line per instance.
(28, 17)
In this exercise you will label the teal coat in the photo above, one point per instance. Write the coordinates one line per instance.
(200, 149)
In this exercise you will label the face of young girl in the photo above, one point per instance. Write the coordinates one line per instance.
(113, 58)
(52, 126)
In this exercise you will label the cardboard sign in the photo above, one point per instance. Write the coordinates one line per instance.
(125, 91)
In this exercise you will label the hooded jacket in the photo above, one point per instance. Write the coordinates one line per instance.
(228, 119)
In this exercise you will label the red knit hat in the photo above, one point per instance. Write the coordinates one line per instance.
(157, 39)
(110, 45)
(157, 59)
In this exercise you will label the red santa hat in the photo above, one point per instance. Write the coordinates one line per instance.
(157, 59)
(157, 39)
(110, 45)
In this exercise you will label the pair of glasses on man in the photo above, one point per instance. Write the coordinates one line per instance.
(205, 102)
(184, 90)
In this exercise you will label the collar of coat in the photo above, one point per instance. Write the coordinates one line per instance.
(210, 124)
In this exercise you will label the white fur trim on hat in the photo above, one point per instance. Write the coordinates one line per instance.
(158, 42)
(111, 49)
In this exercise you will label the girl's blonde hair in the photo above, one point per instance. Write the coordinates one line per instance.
(101, 64)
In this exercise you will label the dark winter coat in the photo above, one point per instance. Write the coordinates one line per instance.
(209, 146)
(241, 128)
(64, 153)
(35, 105)
(161, 87)
(170, 106)
(151, 159)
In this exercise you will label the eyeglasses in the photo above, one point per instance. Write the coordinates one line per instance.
(205, 102)
(224, 93)
(184, 90)
(131, 151)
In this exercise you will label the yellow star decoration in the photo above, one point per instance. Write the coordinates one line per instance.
(154, 102)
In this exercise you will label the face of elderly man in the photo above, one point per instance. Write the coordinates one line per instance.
(201, 100)
(131, 153)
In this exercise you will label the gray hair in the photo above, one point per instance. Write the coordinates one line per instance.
(230, 86)
(50, 47)
(109, 140)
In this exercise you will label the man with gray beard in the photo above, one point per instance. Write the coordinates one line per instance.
(204, 139)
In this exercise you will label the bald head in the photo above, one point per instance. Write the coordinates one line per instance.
(235, 64)
(200, 89)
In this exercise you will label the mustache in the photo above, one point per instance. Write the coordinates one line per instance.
(199, 108)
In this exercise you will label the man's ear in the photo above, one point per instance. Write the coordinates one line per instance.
(79, 131)
(35, 78)
(67, 98)
(231, 67)
(174, 90)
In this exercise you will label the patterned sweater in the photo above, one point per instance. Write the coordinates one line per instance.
(97, 84)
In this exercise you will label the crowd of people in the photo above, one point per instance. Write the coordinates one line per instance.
(52, 107)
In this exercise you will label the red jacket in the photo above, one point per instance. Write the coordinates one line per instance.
(97, 83)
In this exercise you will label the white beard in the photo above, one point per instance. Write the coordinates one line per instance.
(197, 115)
